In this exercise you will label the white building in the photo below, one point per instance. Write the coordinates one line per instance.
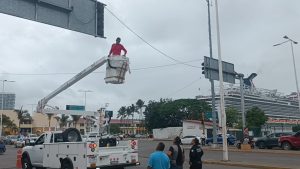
(196, 128)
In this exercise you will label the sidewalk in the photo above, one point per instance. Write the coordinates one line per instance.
(253, 163)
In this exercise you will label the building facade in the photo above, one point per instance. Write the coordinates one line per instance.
(9, 100)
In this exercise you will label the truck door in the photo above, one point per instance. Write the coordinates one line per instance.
(297, 139)
(37, 151)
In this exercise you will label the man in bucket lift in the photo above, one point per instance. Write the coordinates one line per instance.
(116, 48)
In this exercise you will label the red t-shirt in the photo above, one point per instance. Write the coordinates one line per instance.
(116, 49)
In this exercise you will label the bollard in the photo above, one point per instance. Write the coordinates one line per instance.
(19, 157)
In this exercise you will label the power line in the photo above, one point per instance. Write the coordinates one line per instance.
(188, 85)
(73, 73)
(141, 38)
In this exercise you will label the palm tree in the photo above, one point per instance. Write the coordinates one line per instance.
(139, 105)
(130, 112)
(122, 113)
(20, 115)
(63, 121)
(75, 119)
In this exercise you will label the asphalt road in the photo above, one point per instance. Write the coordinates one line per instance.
(146, 147)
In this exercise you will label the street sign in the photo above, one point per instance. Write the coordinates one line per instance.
(85, 16)
(211, 70)
(75, 107)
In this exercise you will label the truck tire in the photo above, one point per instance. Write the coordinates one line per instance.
(71, 135)
(286, 146)
(26, 164)
(66, 164)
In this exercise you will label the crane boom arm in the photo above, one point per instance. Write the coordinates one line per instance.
(42, 103)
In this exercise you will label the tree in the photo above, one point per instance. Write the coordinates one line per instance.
(115, 128)
(8, 123)
(122, 113)
(75, 119)
(169, 113)
(139, 105)
(232, 116)
(130, 112)
(63, 121)
(255, 118)
(20, 116)
(296, 128)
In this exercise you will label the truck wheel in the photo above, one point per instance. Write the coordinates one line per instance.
(66, 164)
(26, 164)
(261, 145)
(286, 146)
(71, 135)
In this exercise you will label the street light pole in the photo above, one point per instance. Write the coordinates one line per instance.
(86, 121)
(3, 81)
(293, 55)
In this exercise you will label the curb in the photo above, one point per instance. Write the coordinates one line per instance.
(291, 152)
(241, 164)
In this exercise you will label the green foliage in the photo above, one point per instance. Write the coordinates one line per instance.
(115, 128)
(169, 113)
(75, 119)
(255, 118)
(63, 120)
(20, 115)
(232, 117)
(296, 128)
(8, 124)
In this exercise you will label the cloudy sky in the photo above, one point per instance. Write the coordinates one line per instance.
(40, 57)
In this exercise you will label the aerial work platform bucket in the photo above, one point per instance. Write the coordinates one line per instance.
(116, 68)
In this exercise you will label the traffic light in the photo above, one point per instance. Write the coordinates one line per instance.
(203, 68)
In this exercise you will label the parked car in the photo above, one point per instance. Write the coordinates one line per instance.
(11, 139)
(290, 142)
(2, 147)
(189, 139)
(231, 139)
(20, 143)
(270, 140)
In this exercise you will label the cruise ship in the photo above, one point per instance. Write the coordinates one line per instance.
(282, 110)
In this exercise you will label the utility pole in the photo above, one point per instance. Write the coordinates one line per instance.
(213, 100)
(222, 102)
(241, 77)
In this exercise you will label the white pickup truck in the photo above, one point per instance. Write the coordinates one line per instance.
(66, 150)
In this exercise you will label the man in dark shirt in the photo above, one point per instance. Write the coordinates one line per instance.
(196, 154)
(116, 48)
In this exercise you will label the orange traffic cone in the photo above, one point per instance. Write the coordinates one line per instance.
(19, 157)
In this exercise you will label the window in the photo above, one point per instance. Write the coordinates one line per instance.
(57, 138)
(40, 140)
(81, 124)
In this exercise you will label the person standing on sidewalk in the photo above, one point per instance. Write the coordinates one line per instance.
(203, 138)
(176, 154)
(196, 154)
(158, 159)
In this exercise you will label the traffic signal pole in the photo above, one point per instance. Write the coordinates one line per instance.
(222, 101)
(213, 101)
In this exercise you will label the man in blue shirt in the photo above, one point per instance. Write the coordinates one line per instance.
(158, 159)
